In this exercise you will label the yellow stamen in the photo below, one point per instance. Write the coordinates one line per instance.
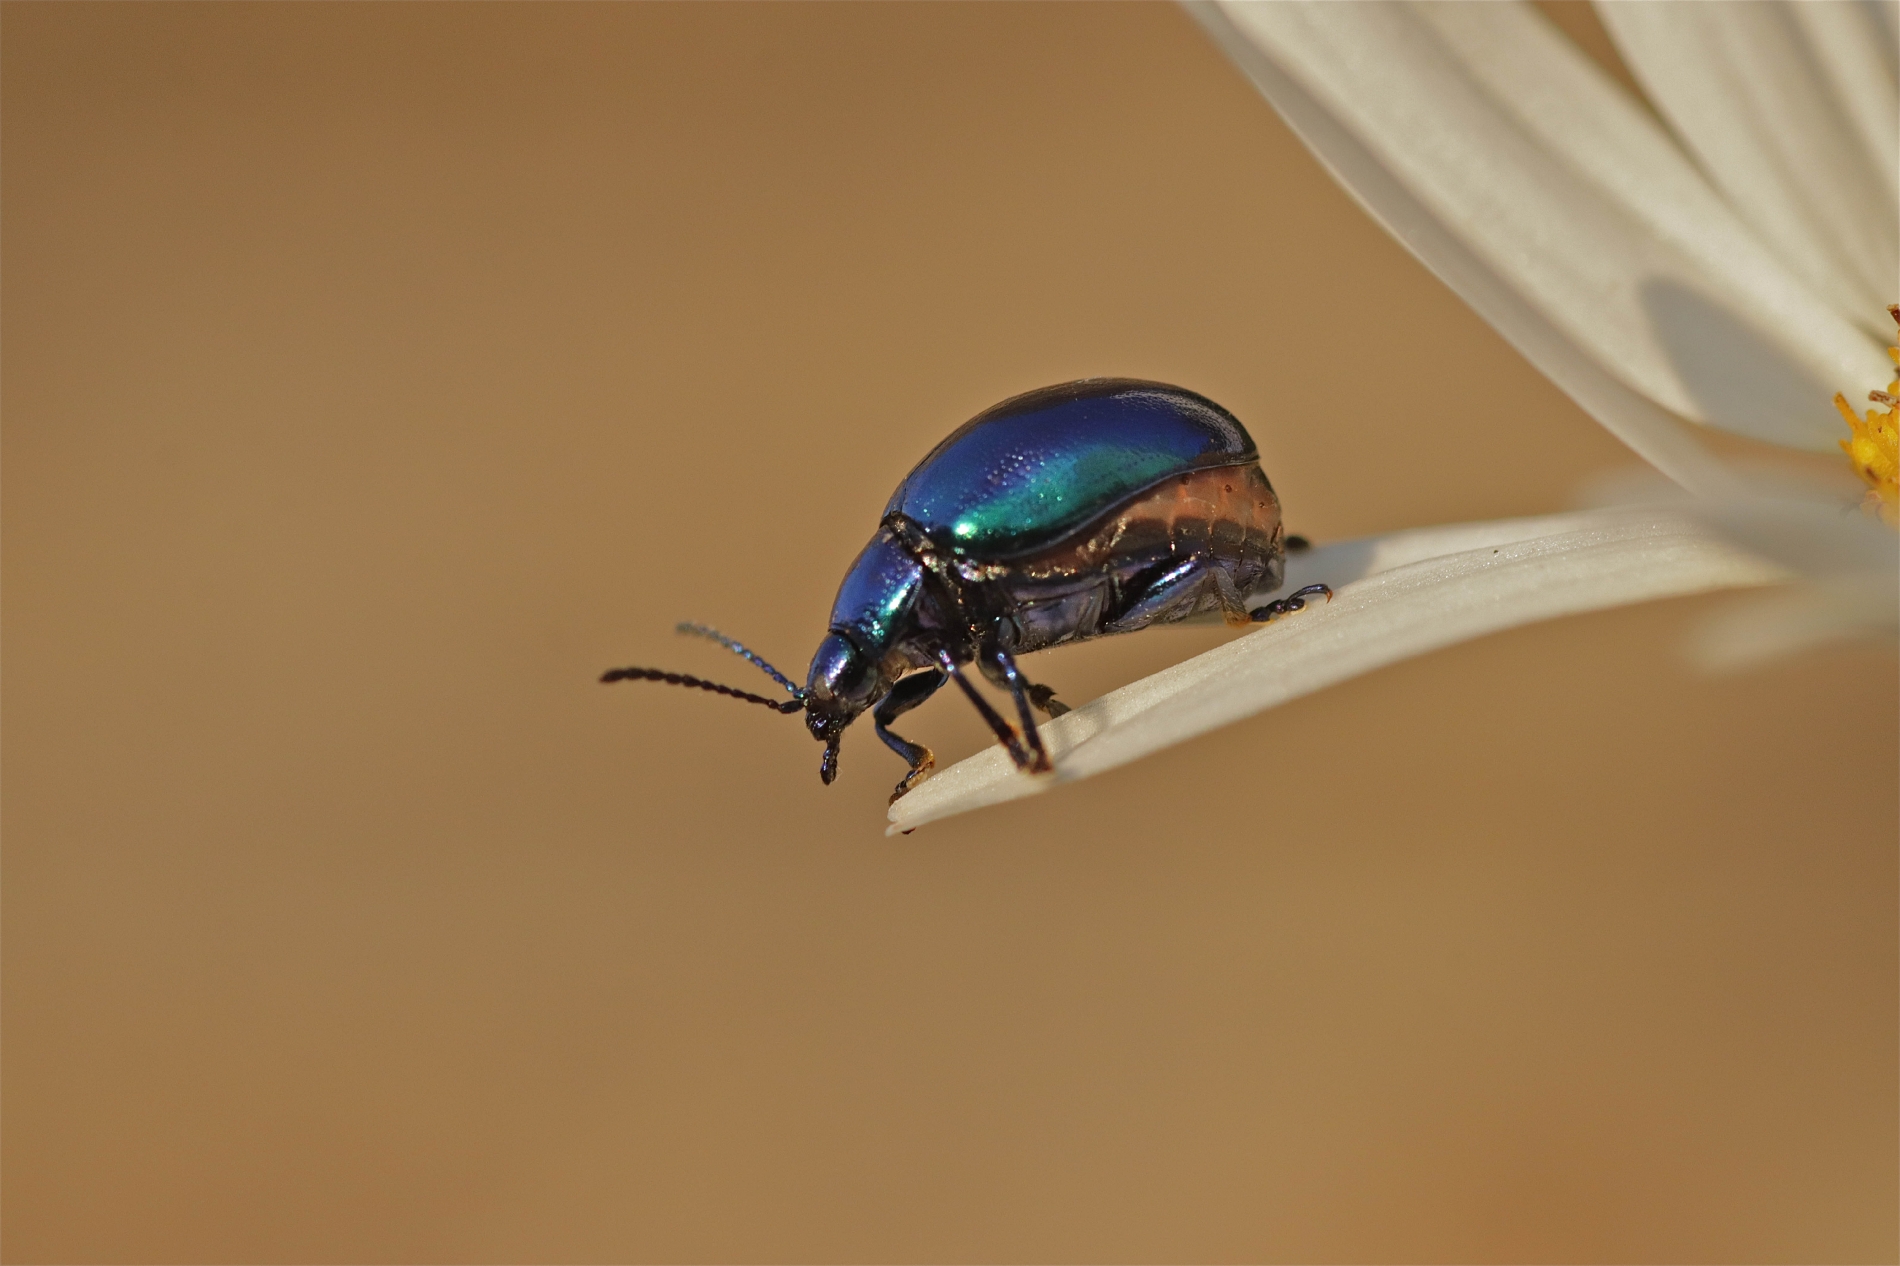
(1875, 448)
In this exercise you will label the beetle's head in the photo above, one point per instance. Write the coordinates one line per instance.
(843, 682)
(853, 668)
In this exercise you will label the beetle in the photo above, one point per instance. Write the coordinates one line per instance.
(1071, 512)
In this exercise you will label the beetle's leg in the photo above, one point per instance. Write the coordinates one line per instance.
(1232, 606)
(1173, 595)
(1019, 689)
(1292, 602)
(904, 696)
(998, 726)
(1045, 698)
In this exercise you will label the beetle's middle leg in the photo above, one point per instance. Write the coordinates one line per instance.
(904, 696)
(1042, 697)
(998, 726)
(1000, 666)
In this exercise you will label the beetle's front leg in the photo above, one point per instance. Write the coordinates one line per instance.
(904, 696)
(1019, 689)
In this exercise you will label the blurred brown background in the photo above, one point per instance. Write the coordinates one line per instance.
(376, 375)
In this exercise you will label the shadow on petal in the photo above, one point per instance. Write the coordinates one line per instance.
(1739, 379)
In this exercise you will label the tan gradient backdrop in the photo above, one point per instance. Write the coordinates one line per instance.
(375, 376)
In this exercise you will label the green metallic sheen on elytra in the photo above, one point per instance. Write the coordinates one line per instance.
(1037, 468)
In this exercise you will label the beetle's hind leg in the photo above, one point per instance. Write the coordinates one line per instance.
(904, 696)
(1292, 602)
(1180, 591)
(1233, 607)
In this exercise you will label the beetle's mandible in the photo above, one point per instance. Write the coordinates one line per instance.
(1071, 512)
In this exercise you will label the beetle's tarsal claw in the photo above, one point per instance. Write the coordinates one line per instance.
(918, 772)
(1288, 605)
(1274, 610)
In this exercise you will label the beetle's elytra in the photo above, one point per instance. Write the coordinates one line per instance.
(1075, 511)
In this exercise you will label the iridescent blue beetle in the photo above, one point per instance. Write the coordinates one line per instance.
(1093, 507)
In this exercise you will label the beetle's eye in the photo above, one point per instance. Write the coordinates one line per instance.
(841, 671)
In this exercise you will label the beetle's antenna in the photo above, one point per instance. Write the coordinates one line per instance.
(714, 635)
(699, 683)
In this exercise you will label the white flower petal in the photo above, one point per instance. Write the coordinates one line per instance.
(1755, 103)
(1342, 562)
(1847, 563)
(1653, 433)
(1814, 527)
(1794, 618)
(1818, 539)
(1530, 182)
(1855, 49)
(1595, 559)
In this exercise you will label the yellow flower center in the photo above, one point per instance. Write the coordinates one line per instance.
(1875, 448)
